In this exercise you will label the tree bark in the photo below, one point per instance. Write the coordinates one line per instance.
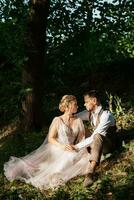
(33, 75)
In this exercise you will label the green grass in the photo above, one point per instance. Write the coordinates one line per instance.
(114, 179)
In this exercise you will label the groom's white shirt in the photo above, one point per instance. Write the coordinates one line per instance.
(106, 120)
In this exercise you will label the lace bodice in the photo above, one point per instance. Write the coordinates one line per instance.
(65, 134)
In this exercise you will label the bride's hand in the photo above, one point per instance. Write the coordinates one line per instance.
(68, 147)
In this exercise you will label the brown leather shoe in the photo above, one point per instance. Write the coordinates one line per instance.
(88, 180)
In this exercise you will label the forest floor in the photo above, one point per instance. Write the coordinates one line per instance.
(114, 178)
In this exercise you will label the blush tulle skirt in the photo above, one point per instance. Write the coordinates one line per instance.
(47, 167)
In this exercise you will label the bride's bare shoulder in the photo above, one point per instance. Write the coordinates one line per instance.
(55, 119)
(77, 118)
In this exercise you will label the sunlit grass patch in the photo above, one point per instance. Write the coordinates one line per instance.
(114, 179)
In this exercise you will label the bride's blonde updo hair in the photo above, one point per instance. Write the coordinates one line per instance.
(64, 102)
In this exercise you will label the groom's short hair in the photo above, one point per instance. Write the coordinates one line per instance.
(92, 94)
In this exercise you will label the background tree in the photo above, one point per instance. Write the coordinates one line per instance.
(83, 38)
(34, 69)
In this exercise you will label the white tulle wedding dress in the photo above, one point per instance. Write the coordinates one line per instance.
(50, 166)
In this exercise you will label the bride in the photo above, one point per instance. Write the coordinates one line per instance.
(56, 161)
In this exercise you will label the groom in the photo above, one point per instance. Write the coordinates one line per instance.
(103, 132)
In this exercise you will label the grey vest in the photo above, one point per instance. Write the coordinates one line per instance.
(110, 131)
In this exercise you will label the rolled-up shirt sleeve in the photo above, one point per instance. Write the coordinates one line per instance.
(106, 120)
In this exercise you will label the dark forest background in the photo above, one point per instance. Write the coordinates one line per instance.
(49, 48)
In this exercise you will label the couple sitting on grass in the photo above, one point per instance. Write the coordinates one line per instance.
(68, 150)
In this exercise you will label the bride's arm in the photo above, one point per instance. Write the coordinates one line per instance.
(81, 141)
(81, 134)
(52, 138)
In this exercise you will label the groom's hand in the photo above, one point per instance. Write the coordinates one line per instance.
(75, 148)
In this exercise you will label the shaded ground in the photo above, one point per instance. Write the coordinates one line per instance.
(114, 179)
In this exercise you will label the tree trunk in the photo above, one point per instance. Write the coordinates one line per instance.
(34, 70)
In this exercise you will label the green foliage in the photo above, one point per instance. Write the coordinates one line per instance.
(66, 19)
(13, 32)
(125, 44)
(124, 116)
(60, 194)
(104, 188)
(9, 92)
(113, 27)
(102, 39)
(115, 105)
(81, 37)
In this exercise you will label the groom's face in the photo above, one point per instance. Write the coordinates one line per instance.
(90, 103)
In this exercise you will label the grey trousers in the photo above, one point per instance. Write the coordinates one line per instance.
(101, 144)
